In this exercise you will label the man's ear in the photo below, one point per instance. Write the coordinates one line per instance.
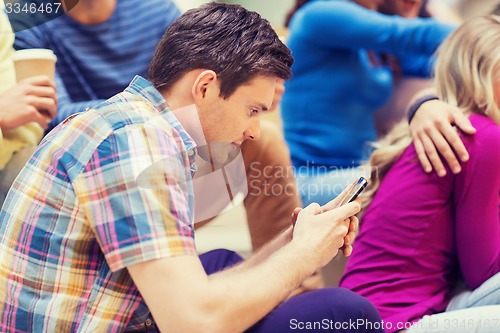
(205, 86)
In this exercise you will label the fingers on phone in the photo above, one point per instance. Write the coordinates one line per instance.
(354, 225)
(343, 213)
(295, 214)
(312, 209)
(351, 208)
(339, 198)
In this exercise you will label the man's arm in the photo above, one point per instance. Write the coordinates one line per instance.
(182, 297)
(433, 133)
(347, 25)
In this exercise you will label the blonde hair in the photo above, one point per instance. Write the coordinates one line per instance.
(467, 67)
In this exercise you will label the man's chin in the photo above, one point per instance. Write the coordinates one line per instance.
(218, 153)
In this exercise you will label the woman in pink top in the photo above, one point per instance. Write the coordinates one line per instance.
(421, 234)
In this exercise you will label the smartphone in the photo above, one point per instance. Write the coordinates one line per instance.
(356, 188)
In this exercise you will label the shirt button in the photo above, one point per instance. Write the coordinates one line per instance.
(191, 153)
(149, 322)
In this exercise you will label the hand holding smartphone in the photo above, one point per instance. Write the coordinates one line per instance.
(355, 190)
(352, 193)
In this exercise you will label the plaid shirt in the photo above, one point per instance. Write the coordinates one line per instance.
(107, 189)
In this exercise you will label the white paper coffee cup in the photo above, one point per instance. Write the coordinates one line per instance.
(34, 62)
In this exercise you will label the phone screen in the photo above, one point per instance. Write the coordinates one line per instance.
(355, 189)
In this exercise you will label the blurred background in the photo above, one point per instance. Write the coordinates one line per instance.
(275, 10)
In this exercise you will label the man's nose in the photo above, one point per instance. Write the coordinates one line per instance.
(253, 133)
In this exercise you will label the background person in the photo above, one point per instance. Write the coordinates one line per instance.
(21, 104)
(420, 232)
(405, 86)
(339, 82)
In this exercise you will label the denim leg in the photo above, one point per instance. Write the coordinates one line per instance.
(486, 294)
(481, 319)
(467, 312)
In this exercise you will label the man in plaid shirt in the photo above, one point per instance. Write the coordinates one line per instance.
(97, 231)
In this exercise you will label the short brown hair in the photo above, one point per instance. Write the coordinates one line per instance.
(235, 43)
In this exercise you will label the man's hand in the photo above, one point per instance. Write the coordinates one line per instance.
(353, 221)
(348, 239)
(432, 131)
(33, 99)
(324, 232)
(351, 236)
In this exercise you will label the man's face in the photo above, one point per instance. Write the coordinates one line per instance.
(404, 8)
(228, 122)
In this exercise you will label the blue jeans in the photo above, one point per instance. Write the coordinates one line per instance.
(487, 293)
(467, 312)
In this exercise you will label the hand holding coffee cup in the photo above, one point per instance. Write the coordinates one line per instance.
(35, 71)
(33, 100)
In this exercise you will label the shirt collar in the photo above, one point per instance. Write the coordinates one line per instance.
(142, 87)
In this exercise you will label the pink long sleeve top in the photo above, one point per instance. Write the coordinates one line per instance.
(421, 231)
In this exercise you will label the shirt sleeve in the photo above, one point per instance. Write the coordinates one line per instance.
(136, 194)
(417, 65)
(343, 24)
(477, 190)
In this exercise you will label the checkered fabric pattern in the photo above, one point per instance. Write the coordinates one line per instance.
(106, 189)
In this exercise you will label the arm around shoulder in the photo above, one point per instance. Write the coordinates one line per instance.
(432, 130)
